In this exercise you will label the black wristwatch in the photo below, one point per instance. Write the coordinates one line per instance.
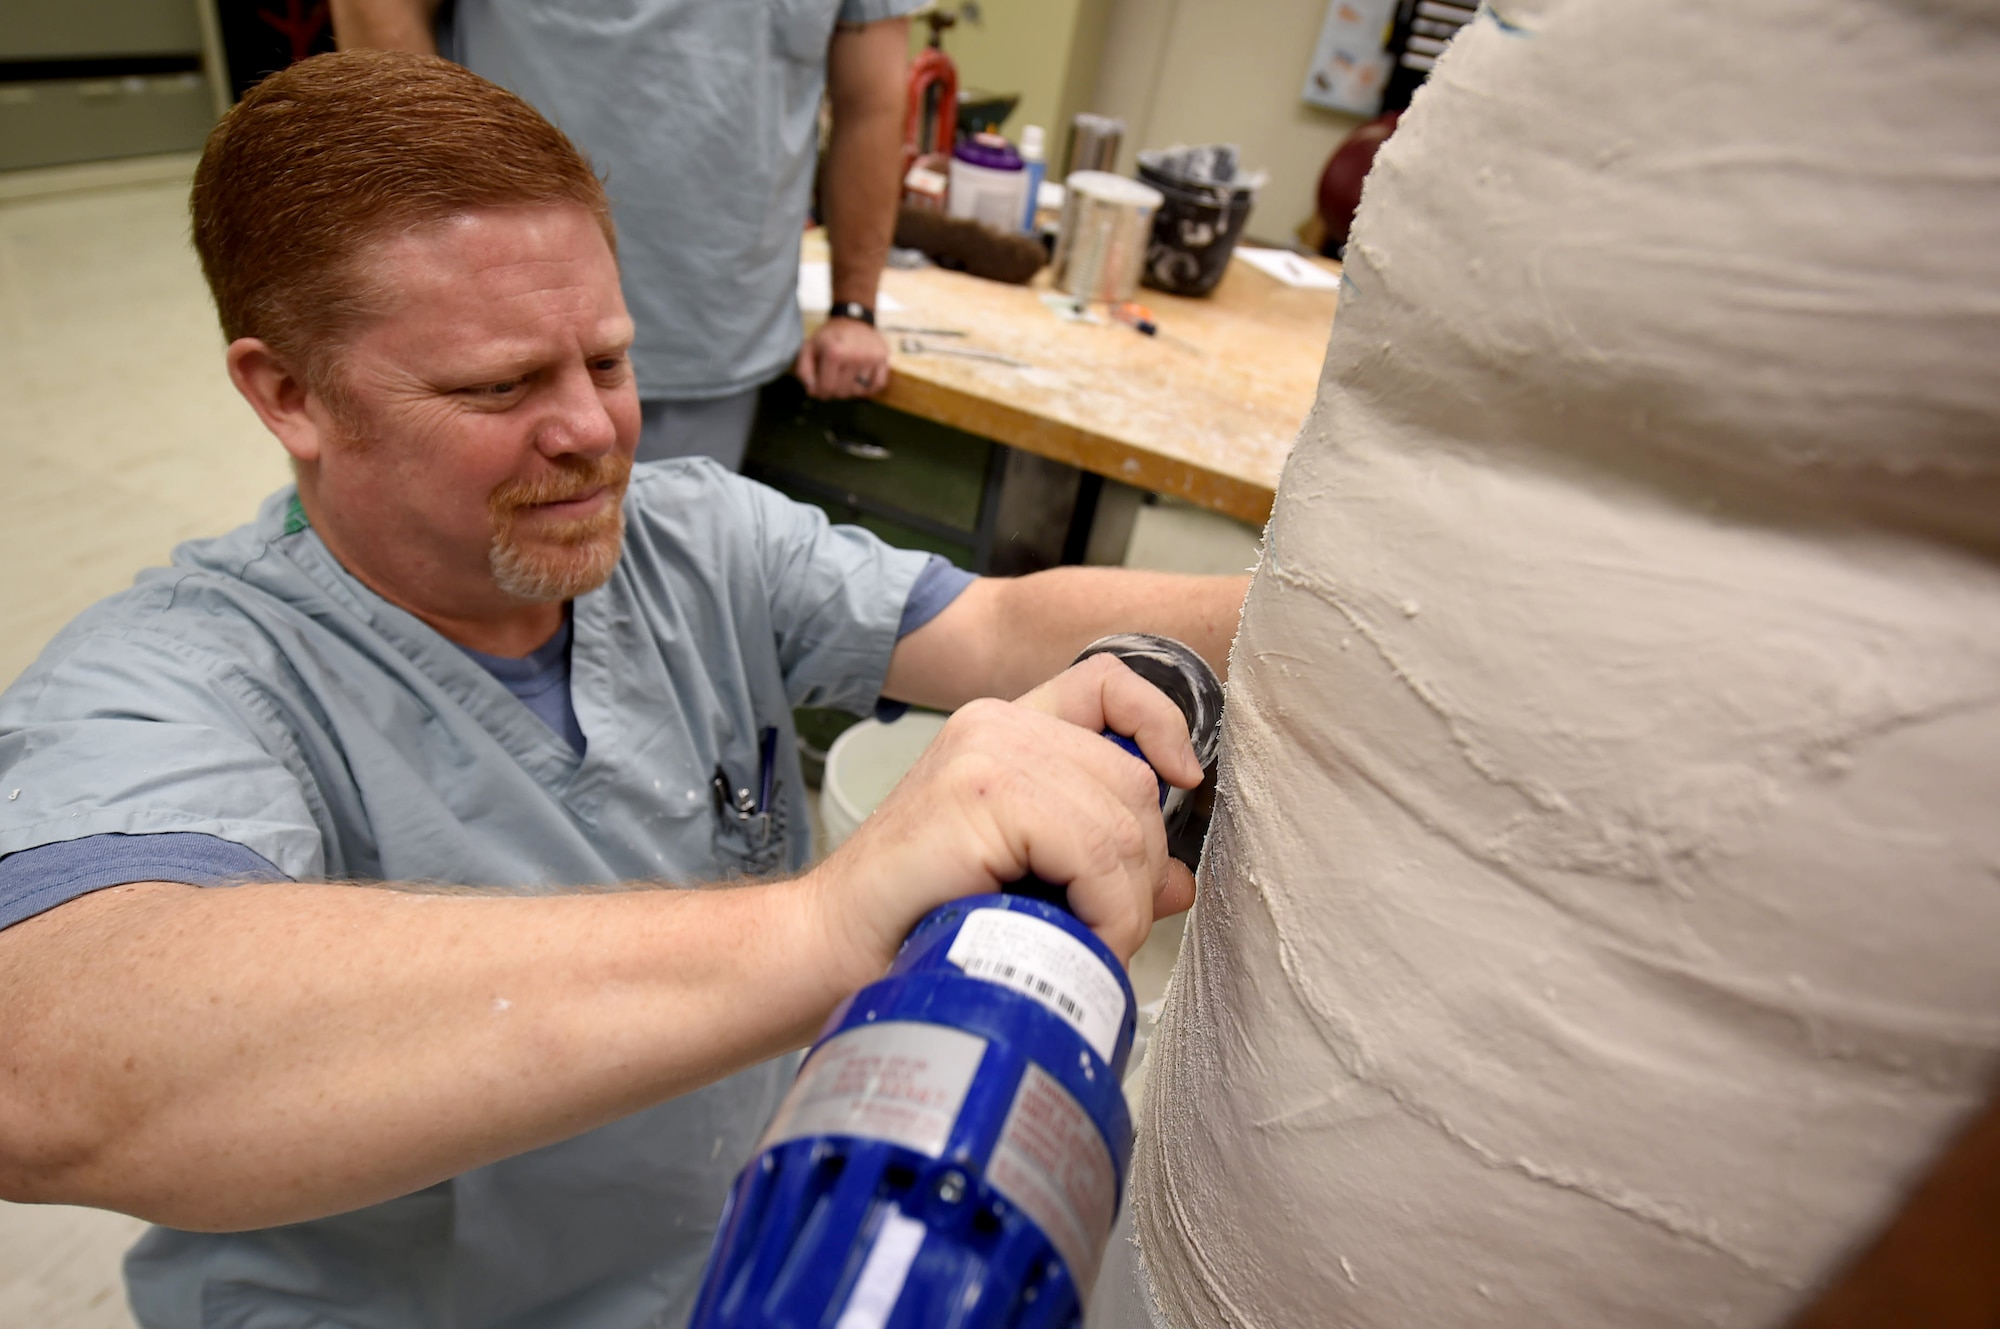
(853, 309)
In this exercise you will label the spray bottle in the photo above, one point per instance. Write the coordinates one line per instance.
(1033, 148)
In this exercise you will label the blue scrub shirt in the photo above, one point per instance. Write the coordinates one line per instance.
(256, 692)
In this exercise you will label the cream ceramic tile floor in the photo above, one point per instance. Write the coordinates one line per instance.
(119, 437)
(59, 1267)
(119, 433)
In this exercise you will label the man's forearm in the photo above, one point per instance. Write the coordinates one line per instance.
(1004, 635)
(861, 179)
(386, 25)
(253, 1055)
(224, 1058)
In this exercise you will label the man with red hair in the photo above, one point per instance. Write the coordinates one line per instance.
(477, 657)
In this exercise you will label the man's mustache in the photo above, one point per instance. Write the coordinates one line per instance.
(573, 478)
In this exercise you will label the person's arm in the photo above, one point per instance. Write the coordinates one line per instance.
(1004, 635)
(246, 1056)
(387, 25)
(860, 183)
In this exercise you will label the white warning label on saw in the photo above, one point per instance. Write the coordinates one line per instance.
(1052, 1163)
(897, 1081)
(1022, 952)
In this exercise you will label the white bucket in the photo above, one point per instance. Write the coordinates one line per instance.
(864, 764)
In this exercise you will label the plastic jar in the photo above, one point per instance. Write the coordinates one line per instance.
(988, 183)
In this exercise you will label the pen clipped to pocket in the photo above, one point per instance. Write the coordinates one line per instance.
(750, 821)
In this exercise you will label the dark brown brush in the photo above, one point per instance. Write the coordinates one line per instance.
(964, 245)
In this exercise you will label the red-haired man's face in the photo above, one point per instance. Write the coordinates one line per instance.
(492, 413)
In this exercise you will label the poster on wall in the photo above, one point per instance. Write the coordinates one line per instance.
(1350, 63)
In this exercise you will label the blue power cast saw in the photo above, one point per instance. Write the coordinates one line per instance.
(953, 1152)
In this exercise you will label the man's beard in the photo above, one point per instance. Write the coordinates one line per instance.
(565, 559)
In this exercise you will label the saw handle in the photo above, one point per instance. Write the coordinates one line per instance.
(1175, 669)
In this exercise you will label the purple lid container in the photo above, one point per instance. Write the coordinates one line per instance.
(991, 151)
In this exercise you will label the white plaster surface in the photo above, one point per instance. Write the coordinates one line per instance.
(1598, 927)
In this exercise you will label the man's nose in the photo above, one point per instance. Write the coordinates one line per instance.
(578, 419)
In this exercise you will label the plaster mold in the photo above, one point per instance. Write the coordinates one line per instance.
(1599, 922)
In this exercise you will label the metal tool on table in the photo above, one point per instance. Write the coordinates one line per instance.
(918, 346)
(1140, 319)
(953, 1152)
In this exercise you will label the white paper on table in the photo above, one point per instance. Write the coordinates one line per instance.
(1289, 268)
(816, 291)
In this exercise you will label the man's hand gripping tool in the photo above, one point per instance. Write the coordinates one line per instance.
(954, 1149)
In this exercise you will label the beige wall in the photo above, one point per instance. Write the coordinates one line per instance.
(1223, 71)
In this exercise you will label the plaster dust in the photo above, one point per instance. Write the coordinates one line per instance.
(1597, 926)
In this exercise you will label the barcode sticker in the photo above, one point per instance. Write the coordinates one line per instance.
(1019, 951)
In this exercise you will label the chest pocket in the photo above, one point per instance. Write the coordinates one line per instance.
(751, 845)
(748, 843)
(801, 29)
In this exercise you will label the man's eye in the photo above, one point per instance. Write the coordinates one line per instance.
(609, 364)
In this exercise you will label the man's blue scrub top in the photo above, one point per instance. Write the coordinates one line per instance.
(256, 692)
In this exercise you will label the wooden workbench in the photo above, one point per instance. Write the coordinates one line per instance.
(1209, 421)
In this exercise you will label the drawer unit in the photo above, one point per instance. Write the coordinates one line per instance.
(918, 484)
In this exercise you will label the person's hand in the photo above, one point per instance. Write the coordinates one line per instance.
(844, 358)
(1010, 788)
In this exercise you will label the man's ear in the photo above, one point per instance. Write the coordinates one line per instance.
(280, 396)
